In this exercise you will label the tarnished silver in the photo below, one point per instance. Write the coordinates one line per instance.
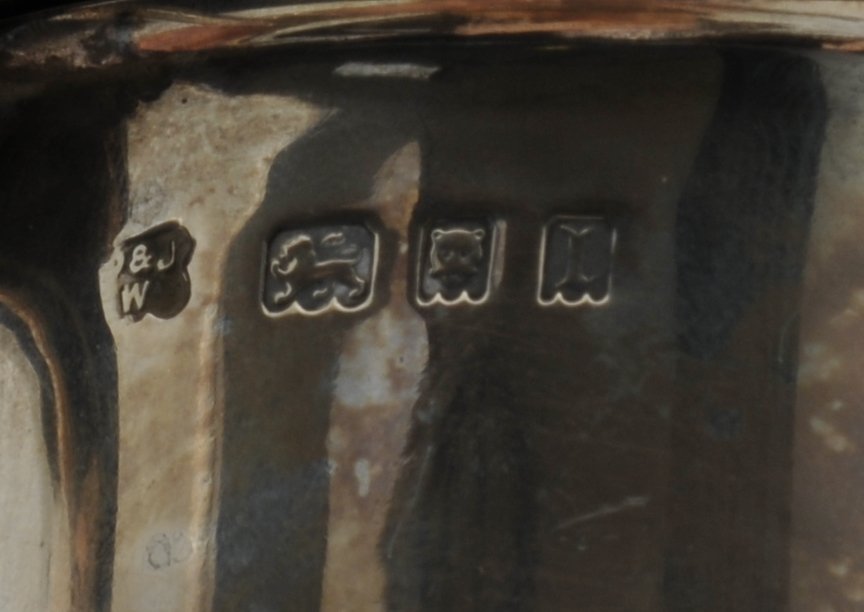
(364, 306)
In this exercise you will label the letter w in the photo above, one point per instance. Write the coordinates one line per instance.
(132, 296)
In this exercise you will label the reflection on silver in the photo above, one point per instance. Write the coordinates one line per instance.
(386, 70)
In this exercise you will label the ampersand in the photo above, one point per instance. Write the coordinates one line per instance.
(141, 259)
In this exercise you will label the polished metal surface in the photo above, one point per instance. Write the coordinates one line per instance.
(433, 326)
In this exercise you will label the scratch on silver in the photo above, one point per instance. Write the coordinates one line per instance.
(605, 510)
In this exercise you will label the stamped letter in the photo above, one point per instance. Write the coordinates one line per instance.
(576, 261)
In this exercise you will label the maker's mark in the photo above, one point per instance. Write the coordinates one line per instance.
(154, 278)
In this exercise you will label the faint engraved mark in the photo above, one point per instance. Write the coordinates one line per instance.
(154, 278)
(576, 261)
(316, 269)
(165, 550)
(457, 261)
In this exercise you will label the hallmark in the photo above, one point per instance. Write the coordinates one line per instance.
(576, 261)
(321, 268)
(457, 262)
(154, 278)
